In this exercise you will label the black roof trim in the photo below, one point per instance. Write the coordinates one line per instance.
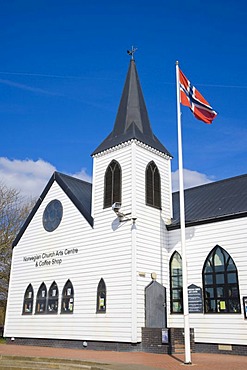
(207, 221)
(65, 183)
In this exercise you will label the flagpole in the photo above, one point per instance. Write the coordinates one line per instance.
(187, 359)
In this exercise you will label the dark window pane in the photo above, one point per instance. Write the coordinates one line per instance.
(220, 278)
(208, 268)
(210, 305)
(231, 265)
(220, 291)
(176, 281)
(208, 279)
(234, 305)
(209, 292)
(233, 291)
(176, 294)
(232, 277)
(219, 268)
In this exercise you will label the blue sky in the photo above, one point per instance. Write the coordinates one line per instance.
(62, 69)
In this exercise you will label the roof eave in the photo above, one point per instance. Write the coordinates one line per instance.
(207, 221)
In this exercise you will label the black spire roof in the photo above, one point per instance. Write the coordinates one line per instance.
(132, 120)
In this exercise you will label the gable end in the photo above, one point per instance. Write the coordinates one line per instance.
(65, 183)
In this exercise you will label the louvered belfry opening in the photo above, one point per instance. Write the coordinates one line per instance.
(112, 184)
(153, 192)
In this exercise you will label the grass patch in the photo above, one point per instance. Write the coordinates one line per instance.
(2, 341)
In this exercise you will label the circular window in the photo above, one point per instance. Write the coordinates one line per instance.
(52, 215)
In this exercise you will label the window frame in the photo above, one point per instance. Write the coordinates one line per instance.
(52, 299)
(28, 300)
(101, 297)
(41, 299)
(225, 296)
(153, 185)
(179, 287)
(112, 184)
(67, 304)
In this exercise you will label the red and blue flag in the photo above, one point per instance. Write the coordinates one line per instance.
(190, 97)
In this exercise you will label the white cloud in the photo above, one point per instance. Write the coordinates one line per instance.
(28, 176)
(82, 175)
(191, 179)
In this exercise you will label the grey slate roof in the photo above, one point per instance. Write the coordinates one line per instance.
(79, 192)
(212, 202)
(132, 120)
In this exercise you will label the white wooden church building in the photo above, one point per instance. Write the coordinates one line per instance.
(99, 265)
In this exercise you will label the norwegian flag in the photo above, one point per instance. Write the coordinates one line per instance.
(190, 97)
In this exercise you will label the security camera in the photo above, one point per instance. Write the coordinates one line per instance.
(121, 216)
(116, 207)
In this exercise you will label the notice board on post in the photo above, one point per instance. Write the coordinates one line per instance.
(195, 299)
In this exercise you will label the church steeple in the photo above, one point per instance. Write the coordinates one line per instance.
(132, 120)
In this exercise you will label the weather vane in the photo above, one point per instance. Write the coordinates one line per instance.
(131, 52)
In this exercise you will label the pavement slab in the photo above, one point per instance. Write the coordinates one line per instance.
(110, 360)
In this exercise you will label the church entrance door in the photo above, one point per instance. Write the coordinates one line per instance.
(155, 306)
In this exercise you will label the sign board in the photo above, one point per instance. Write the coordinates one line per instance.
(245, 307)
(165, 336)
(195, 299)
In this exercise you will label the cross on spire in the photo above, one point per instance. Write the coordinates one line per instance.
(131, 52)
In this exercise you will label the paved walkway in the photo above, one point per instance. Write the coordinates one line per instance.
(132, 360)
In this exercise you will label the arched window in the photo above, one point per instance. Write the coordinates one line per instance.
(41, 299)
(28, 301)
(176, 283)
(153, 193)
(220, 283)
(67, 298)
(101, 297)
(52, 305)
(112, 184)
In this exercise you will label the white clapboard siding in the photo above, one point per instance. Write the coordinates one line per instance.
(118, 238)
(133, 159)
(94, 260)
(151, 230)
(114, 251)
(200, 240)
